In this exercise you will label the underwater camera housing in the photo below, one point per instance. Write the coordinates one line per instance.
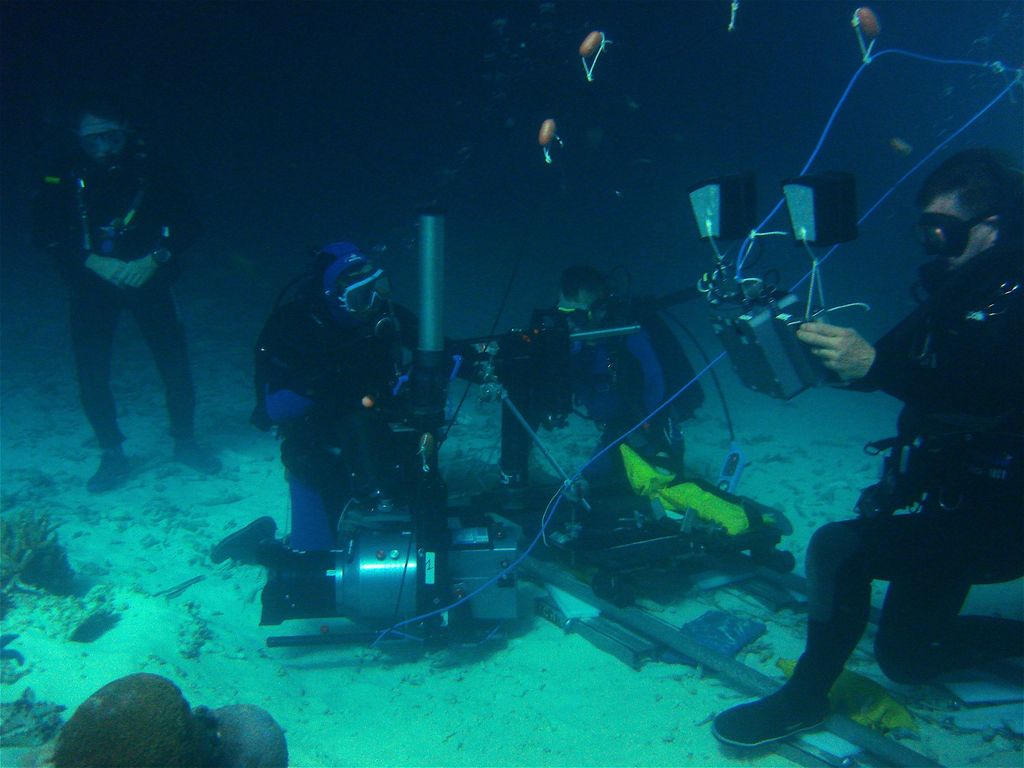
(757, 325)
(404, 557)
(395, 574)
(533, 366)
(760, 339)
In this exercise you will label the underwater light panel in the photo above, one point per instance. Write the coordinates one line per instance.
(706, 205)
(724, 208)
(822, 208)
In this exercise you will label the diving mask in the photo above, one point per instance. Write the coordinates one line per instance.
(583, 314)
(365, 293)
(943, 235)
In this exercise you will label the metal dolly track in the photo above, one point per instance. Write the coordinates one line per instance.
(728, 669)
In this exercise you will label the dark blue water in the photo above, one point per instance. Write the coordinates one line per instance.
(301, 123)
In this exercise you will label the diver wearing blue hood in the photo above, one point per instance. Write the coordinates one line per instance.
(957, 363)
(329, 363)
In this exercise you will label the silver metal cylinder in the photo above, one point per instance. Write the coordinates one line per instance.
(378, 581)
(431, 280)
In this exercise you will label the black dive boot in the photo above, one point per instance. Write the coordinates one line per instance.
(112, 472)
(190, 453)
(250, 545)
(802, 703)
(772, 718)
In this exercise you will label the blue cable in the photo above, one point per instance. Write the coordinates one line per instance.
(553, 505)
(917, 166)
(748, 244)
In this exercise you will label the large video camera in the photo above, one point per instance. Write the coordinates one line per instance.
(401, 571)
(756, 322)
(531, 365)
(403, 556)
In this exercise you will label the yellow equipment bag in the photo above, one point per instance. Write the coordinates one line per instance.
(655, 484)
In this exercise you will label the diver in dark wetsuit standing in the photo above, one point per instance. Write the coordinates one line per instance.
(116, 224)
(957, 363)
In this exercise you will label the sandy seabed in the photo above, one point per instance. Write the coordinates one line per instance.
(543, 697)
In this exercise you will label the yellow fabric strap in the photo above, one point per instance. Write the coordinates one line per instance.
(862, 700)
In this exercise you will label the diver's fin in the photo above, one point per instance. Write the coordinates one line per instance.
(244, 545)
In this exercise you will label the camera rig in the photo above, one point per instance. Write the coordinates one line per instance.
(429, 579)
(759, 336)
(757, 322)
(611, 531)
(410, 562)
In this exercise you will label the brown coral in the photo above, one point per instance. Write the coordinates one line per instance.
(31, 557)
(135, 721)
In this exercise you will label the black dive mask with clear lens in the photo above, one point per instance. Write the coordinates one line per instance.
(943, 235)
(585, 317)
(365, 294)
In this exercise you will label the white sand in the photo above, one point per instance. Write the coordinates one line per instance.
(547, 698)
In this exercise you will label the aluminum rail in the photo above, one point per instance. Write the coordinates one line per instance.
(728, 669)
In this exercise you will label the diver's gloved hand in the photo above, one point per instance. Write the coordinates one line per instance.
(139, 271)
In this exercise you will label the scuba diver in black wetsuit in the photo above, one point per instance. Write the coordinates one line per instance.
(334, 375)
(116, 224)
(957, 363)
(331, 368)
(329, 362)
(356, 387)
(615, 381)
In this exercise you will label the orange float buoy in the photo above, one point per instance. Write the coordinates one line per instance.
(866, 27)
(866, 19)
(548, 129)
(591, 43)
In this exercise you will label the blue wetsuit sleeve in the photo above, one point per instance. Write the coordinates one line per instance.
(639, 345)
(284, 405)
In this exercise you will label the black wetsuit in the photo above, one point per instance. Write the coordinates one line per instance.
(131, 209)
(958, 365)
(312, 376)
(333, 389)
